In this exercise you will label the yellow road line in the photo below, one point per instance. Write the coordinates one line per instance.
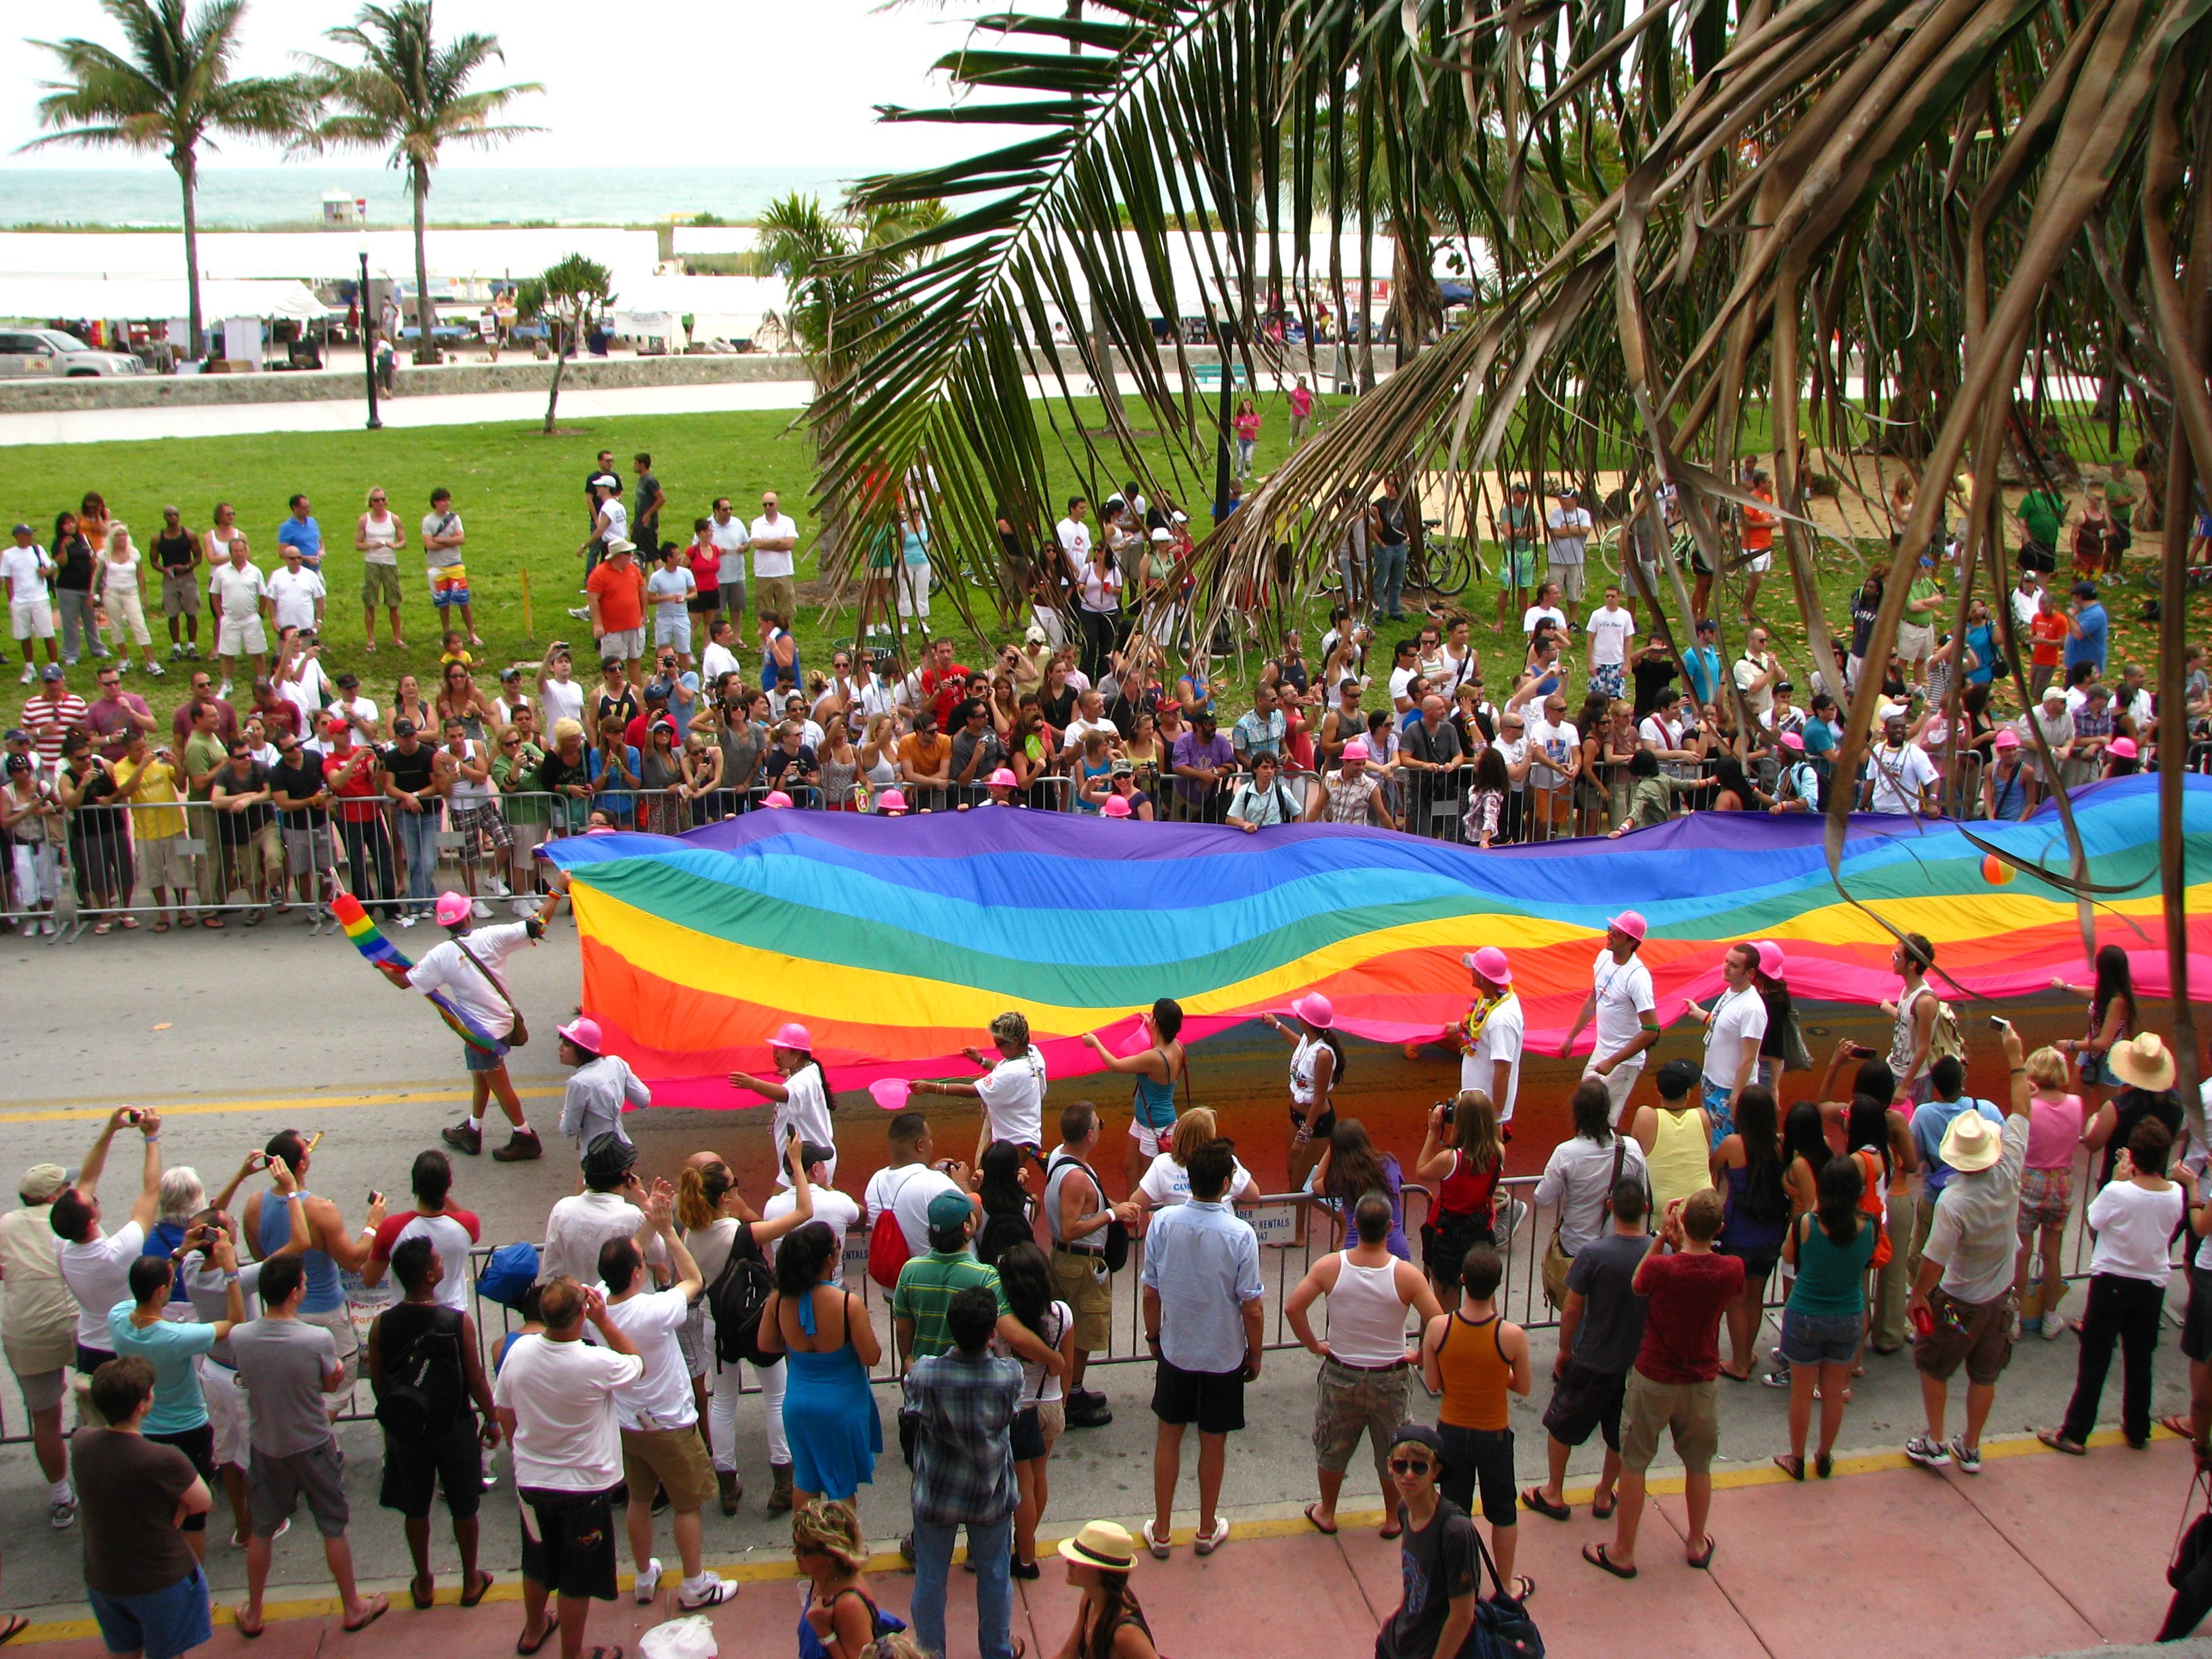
(509, 1588)
(52, 1112)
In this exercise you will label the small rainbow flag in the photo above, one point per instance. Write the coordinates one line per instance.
(375, 948)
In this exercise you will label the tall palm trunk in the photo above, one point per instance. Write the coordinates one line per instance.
(559, 361)
(418, 177)
(187, 176)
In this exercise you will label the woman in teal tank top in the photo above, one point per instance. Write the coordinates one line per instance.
(1826, 1319)
(1156, 1070)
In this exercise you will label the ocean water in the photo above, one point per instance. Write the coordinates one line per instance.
(248, 197)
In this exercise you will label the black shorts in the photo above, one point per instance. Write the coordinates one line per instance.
(1212, 1399)
(1449, 1235)
(2197, 1322)
(1758, 1260)
(1584, 1400)
(1028, 1435)
(198, 1444)
(90, 1360)
(573, 1551)
(1480, 1458)
(413, 1472)
(1323, 1127)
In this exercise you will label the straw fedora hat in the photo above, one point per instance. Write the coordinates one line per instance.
(2143, 1062)
(1972, 1144)
(1103, 1545)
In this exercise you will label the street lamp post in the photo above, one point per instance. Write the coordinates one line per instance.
(368, 338)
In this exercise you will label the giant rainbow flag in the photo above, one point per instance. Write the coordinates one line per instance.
(895, 940)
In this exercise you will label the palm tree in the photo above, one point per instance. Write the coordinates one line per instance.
(168, 90)
(412, 93)
(568, 298)
(1711, 233)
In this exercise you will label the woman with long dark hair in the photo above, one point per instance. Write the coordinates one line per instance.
(1748, 1162)
(828, 1347)
(1350, 1168)
(1825, 1317)
(1109, 1623)
(1026, 1276)
(2111, 1019)
(998, 1184)
(1155, 1070)
(1462, 1160)
(1732, 791)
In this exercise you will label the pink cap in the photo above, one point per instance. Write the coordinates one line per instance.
(1002, 779)
(792, 1035)
(775, 798)
(1791, 740)
(891, 801)
(1314, 1009)
(1490, 962)
(2005, 738)
(1771, 959)
(2124, 747)
(1355, 751)
(451, 908)
(1113, 806)
(1630, 922)
(583, 1031)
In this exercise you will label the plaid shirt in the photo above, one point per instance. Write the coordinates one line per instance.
(962, 1408)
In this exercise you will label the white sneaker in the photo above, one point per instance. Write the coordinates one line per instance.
(407, 921)
(30, 672)
(480, 910)
(707, 1591)
(156, 670)
(581, 612)
(523, 906)
(2054, 1326)
(495, 886)
(222, 691)
(648, 1583)
(62, 1513)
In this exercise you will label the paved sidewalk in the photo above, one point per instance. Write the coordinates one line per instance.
(2038, 1554)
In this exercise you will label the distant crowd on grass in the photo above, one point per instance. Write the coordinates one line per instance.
(1102, 701)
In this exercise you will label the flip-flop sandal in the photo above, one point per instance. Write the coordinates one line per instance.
(161, 927)
(1595, 1555)
(1528, 1586)
(2179, 1425)
(525, 1646)
(2059, 1443)
(128, 924)
(1704, 1563)
(1731, 1377)
(1535, 1498)
(100, 927)
(423, 1602)
(16, 1625)
(377, 1609)
(1393, 1535)
(470, 1597)
(1605, 1513)
(1792, 1467)
(250, 1633)
(1314, 1521)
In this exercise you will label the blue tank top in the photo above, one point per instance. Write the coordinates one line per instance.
(165, 1240)
(272, 1231)
(1155, 1107)
(771, 670)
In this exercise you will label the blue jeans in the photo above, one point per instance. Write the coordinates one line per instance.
(418, 843)
(1389, 579)
(990, 1546)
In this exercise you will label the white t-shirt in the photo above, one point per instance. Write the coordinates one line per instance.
(562, 700)
(1074, 544)
(775, 562)
(238, 589)
(98, 1274)
(1736, 1015)
(1624, 998)
(1168, 1183)
(578, 1228)
(562, 1395)
(663, 584)
(441, 524)
(718, 659)
(1556, 747)
(1513, 753)
(1500, 1039)
(1610, 629)
(306, 695)
(1039, 1385)
(26, 568)
(907, 1191)
(296, 592)
(1661, 733)
(2134, 1226)
(731, 542)
(661, 1396)
(1012, 1093)
(1400, 679)
(1536, 613)
(805, 1108)
(1900, 776)
(617, 517)
(453, 1238)
(832, 1208)
(442, 969)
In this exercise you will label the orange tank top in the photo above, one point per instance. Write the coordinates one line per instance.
(1476, 1372)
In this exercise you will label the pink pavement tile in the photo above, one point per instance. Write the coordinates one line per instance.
(2097, 1528)
(1293, 1595)
(1780, 1545)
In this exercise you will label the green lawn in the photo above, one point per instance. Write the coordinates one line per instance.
(521, 497)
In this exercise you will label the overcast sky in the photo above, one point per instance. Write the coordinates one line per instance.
(647, 82)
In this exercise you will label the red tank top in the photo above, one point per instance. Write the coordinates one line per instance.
(1466, 1189)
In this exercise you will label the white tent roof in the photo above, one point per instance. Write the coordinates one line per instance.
(315, 256)
(721, 307)
(141, 298)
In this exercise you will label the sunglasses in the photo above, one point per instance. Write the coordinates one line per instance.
(1410, 1466)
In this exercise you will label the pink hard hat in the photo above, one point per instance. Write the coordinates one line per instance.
(583, 1031)
(2005, 738)
(2124, 747)
(792, 1035)
(1113, 806)
(1490, 962)
(891, 801)
(1314, 1009)
(1771, 961)
(1355, 751)
(1002, 779)
(451, 908)
(775, 798)
(1630, 922)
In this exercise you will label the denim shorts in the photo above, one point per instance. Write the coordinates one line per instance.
(160, 1625)
(1821, 1339)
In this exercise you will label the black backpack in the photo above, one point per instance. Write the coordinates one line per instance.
(422, 1396)
(736, 1299)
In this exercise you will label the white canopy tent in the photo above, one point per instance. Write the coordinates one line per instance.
(721, 307)
(138, 299)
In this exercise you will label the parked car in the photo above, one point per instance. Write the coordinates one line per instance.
(30, 353)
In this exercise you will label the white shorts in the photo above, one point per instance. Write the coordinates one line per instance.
(674, 631)
(1619, 1084)
(225, 1410)
(1148, 1140)
(31, 619)
(627, 643)
(1763, 562)
(240, 636)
